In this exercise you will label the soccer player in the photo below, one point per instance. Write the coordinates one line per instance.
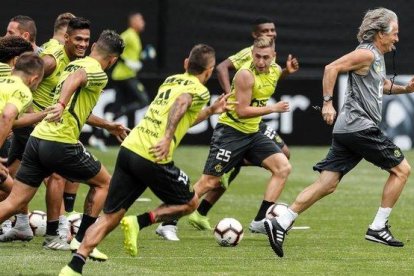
(53, 145)
(356, 134)
(16, 95)
(10, 48)
(59, 30)
(55, 59)
(145, 157)
(237, 134)
(130, 93)
(261, 27)
(24, 26)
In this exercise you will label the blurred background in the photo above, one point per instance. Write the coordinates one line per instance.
(316, 32)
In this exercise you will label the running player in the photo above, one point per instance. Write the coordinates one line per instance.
(145, 158)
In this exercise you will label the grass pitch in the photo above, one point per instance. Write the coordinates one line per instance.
(333, 245)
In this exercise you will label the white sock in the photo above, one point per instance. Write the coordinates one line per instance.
(286, 218)
(381, 218)
(22, 221)
(63, 220)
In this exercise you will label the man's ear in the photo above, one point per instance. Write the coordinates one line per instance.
(186, 64)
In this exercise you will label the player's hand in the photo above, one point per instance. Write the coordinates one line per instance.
(280, 107)
(161, 150)
(292, 64)
(221, 104)
(54, 112)
(118, 130)
(328, 113)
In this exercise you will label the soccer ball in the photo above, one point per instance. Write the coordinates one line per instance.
(276, 209)
(37, 221)
(228, 232)
(74, 221)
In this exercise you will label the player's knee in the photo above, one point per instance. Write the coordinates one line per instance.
(191, 206)
(283, 169)
(403, 170)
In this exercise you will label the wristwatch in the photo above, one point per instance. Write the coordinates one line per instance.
(327, 98)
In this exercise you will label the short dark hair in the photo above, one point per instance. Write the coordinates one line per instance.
(30, 64)
(199, 58)
(259, 21)
(62, 21)
(13, 46)
(110, 43)
(26, 24)
(78, 23)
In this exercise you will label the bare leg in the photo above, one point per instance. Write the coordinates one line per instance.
(280, 167)
(395, 184)
(20, 196)
(98, 231)
(98, 191)
(324, 185)
(55, 185)
(171, 212)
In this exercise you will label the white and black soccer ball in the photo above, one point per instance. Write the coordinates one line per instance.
(74, 221)
(276, 209)
(38, 222)
(228, 232)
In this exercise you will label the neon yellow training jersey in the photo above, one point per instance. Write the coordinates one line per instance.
(132, 51)
(5, 70)
(151, 128)
(80, 105)
(14, 91)
(45, 92)
(263, 88)
(50, 44)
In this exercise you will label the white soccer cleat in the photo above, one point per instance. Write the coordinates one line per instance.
(257, 227)
(17, 234)
(55, 243)
(168, 232)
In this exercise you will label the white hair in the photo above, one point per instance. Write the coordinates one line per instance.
(375, 21)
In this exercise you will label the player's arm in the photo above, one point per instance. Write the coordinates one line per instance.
(29, 118)
(244, 82)
(398, 89)
(49, 65)
(223, 74)
(116, 129)
(7, 117)
(219, 106)
(70, 85)
(292, 66)
(357, 61)
(177, 111)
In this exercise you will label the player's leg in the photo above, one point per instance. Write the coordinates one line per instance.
(69, 196)
(339, 161)
(389, 158)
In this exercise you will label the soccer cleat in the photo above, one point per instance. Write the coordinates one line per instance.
(67, 271)
(228, 177)
(95, 255)
(276, 235)
(199, 221)
(168, 232)
(63, 229)
(257, 227)
(6, 226)
(383, 236)
(130, 227)
(17, 234)
(55, 243)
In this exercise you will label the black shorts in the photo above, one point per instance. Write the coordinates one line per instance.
(272, 134)
(42, 158)
(18, 143)
(133, 174)
(229, 147)
(348, 149)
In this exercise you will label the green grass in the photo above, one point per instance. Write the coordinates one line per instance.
(334, 245)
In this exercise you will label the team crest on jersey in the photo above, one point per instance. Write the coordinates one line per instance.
(397, 153)
(218, 167)
(378, 66)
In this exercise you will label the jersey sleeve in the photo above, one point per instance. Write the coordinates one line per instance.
(95, 78)
(21, 99)
(200, 95)
(241, 57)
